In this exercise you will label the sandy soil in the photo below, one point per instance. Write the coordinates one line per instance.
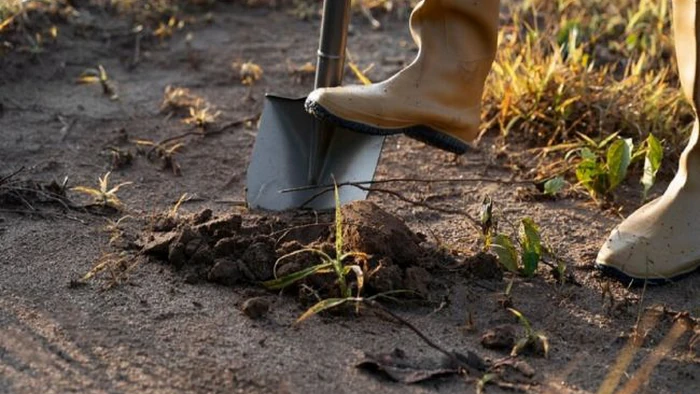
(162, 332)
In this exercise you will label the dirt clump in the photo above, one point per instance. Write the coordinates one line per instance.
(484, 266)
(374, 231)
(501, 337)
(256, 307)
(233, 248)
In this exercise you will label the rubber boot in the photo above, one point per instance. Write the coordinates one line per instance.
(437, 98)
(661, 240)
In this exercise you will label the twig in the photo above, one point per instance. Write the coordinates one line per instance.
(452, 355)
(67, 126)
(220, 130)
(473, 222)
(286, 232)
(3, 180)
(428, 341)
(397, 180)
(136, 59)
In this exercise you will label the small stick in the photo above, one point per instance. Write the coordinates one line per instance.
(3, 180)
(397, 180)
(428, 341)
(204, 134)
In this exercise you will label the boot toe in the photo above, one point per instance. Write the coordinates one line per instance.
(625, 256)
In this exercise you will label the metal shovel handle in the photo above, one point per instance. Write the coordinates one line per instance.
(329, 73)
(334, 38)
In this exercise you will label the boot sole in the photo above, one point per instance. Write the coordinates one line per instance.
(611, 271)
(420, 133)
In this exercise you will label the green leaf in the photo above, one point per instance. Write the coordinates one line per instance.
(591, 174)
(481, 383)
(652, 162)
(281, 283)
(504, 249)
(607, 140)
(338, 222)
(618, 160)
(554, 186)
(338, 262)
(322, 306)
(532, 246)
(523, 320)
(587, 154)
(486, 215)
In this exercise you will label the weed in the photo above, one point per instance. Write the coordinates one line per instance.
(201, 115)
(532, 340)
(526, 260)
(166, 30)
(118, 265)
(164, 152)
(99, 75)
(119, 158)
(600, 170)
(562, 71)
(336, 265)
(104, 196)
(116, 232)
(178, 99)
(248, 72)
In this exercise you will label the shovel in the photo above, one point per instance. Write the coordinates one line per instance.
(296, 157)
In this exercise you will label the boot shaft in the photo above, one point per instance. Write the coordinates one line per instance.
(686, 28)
(466, 29)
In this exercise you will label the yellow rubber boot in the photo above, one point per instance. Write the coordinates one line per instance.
(661, 240)
(437, 98)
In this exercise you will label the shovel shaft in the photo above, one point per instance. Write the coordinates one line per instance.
(331, 49)
(329, 73)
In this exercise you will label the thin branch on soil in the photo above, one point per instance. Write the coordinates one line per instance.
(220, 130)
(452, 356)
(473, 222)
(285, 232)
(412, 180)
(5, 179)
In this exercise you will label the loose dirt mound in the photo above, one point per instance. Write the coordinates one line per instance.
(234, 248)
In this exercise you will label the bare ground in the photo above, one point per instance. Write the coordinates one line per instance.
(160, 333)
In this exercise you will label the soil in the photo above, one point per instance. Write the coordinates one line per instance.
(180, 308)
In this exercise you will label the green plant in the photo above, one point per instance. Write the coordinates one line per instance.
(336, 265)
(103, 196)
(532, 339)
(99, 75)
(600, 176)
(525, 260)
(567, 69)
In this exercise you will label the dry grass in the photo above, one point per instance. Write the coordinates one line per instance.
(591, 67)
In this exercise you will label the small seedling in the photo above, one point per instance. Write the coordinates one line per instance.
(166, 30)
(526, 260)
(336, 265)
(163, 152)
(115, 230)
(119, 266)
(302, 73)
(119, 158)
(172, 213)
(179, 99)
(554, 186)
(653, 155)
(104, 196)
(99, 75)
(248, 72)
(201, 115)
(532, 340)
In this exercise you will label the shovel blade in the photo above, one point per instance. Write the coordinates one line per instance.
(280, 160)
